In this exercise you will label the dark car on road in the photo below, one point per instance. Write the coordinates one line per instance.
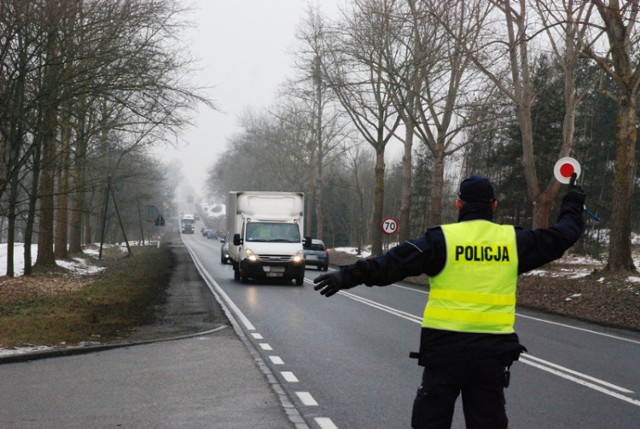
(316, 255)
(224, 250)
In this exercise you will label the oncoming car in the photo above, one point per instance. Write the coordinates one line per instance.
(316, 255)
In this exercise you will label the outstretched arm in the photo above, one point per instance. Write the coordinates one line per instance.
(425, 255)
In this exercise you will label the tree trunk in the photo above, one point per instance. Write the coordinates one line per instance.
(33, 199)
(46, 257)
(620, 235)
(309, 199)
(11, 231)
(312, 182)
(79, 191)
(318, 204)
(88, 229)
(4, 168)
(542, 209)
(319, 147)
(62, 218)
(50, 86)
(405, 196)
(378, 204)
(437, 182)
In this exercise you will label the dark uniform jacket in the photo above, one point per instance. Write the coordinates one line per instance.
(427, 255)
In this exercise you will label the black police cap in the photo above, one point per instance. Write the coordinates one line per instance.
(476, 189)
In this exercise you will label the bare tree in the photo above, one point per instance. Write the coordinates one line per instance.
(514, 81)
(619, 62)
(413, 84)
(356, 72)
(358, 163)
(53, 13)
(443, 81)
(325, 125)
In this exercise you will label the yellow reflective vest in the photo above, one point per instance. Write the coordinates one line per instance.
(476, 290)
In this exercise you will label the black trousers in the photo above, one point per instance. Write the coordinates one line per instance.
(481, 383)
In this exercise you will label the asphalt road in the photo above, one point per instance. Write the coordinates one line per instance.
(344, 360)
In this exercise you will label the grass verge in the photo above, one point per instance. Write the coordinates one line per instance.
(104, 308)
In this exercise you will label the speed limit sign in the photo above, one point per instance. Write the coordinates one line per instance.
(389, 226)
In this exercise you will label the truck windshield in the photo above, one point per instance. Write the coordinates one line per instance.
(273, 232)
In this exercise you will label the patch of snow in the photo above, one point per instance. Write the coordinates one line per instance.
(80, 266)
(536, 273)
(91, 252)
(577, 274)
(18, 258)
(365, 253)
(572, 297)
(23, 350)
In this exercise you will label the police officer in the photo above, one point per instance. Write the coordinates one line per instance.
(467, 342)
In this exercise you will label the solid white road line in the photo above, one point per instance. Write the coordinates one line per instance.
(566, 373)
(537, 319)
(576, 328)
(217, 291)
(578, 374)
(593, 386)
(374, 304)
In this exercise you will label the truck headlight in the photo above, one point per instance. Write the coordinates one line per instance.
(298, 257)
(250, 255)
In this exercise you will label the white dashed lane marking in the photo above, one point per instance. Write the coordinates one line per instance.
(276, 360)
(289, 376)
(307, 399)
(325, 423)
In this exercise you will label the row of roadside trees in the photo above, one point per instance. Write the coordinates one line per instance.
(87, 89)
(496, 87)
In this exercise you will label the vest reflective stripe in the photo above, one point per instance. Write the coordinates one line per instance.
(478, 298)
(475, 317)
(476, 290)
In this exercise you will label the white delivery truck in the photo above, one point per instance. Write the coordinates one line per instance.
(187, 223)
(267, 231)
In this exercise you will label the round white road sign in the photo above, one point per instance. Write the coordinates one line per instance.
(389, 226)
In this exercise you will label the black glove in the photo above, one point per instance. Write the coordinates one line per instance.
(330, 284)
(575, 193)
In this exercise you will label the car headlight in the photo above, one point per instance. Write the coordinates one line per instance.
(298, 257)
(250, 255)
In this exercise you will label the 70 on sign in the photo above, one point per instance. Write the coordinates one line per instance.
(389, 225)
